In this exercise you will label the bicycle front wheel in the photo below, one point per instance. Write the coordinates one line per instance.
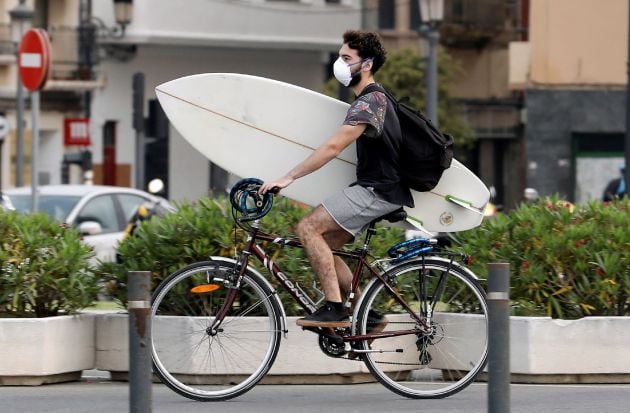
(204, 361)
(440, 354)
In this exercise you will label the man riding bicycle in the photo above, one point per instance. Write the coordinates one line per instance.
(371, 121)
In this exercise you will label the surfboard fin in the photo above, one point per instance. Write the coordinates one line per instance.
(417, 224)
(463, 203)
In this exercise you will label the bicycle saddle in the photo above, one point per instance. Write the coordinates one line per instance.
(394, 216)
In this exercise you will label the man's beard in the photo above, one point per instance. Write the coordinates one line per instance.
(355, 80)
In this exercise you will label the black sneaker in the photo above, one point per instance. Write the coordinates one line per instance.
(325, 316)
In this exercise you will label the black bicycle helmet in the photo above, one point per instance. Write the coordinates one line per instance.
(247, 203)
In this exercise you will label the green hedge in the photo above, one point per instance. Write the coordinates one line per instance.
(44, 267)
(197, 231)
(566, 261)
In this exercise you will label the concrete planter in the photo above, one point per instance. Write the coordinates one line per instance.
(46, 350)
(593, 350)
(588, 350)
(299, 359)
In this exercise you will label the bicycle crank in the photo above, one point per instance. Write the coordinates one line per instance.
(331, 345)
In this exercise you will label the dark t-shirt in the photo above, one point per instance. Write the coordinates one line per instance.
(377, 148)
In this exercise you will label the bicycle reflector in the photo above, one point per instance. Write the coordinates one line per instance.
(204, 288)
(247, 203)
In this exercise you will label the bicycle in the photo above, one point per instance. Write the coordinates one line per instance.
(430, 342)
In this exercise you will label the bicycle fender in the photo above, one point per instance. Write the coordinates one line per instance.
(283, 315)
(458, 265)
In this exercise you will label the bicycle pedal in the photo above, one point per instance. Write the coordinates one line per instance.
(316, 330)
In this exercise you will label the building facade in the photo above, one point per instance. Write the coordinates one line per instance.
(477, 34)
(543, 85)
(94, 63)
(573, 71)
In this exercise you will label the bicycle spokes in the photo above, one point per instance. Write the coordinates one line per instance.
(211, 342)
(438, 349)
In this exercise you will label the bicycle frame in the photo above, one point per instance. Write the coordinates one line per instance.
(299, 295)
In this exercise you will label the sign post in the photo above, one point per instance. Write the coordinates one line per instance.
(34, 67)
(138, 125)
(4, 130)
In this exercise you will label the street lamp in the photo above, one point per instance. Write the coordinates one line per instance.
(21, 18)
(123, 12)
(431, 15)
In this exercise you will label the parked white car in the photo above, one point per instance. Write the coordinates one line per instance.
(5, 203)
(100, 213)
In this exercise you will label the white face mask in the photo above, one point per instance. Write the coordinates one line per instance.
(342, 71)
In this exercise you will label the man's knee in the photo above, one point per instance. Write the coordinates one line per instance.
(304, 228)
(316, 223)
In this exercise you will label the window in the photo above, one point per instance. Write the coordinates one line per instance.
(387, 14)
(414, 15)
(129, 204)
(101, 209)
(57, 206)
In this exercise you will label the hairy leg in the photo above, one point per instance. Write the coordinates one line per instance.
(344, 274)
(318, 232)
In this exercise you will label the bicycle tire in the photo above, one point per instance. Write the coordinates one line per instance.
(215, 365)
(441, 361)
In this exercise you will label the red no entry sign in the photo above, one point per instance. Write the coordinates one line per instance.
(34, 59)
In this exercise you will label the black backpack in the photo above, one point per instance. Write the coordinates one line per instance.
(425, 152)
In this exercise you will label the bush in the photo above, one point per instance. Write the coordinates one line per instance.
(44, 267)
(197, 231)
(566, 262)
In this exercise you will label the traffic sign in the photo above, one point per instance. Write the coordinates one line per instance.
(76, 131)
(34, 59)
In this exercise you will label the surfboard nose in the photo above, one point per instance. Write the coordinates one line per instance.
(184, 83)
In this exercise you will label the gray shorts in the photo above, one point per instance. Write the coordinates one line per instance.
(355, 207)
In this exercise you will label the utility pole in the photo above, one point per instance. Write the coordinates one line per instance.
(21, 17)
(431, 15)
(432, 76)
(138, 125)
(627, 142)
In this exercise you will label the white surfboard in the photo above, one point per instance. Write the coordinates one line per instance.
(258, 127)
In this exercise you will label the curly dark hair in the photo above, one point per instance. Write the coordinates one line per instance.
(368, 45)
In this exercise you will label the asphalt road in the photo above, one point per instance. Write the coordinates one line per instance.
(95, 396)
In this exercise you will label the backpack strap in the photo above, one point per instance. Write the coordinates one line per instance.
(372, 87)
(375, 87)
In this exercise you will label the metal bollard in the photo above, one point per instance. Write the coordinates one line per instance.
(139, 305)
(499, 340)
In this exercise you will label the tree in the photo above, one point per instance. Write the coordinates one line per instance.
(404, 76)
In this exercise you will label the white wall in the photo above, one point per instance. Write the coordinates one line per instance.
(593, 175)
(188, 170)
(50, 147)
(308, 24)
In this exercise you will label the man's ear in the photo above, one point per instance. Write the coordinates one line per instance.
(366, 65)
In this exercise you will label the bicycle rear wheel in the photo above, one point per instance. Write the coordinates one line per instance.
(425, 362)
(205, 362)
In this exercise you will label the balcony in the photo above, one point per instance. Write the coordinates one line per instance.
(269, 24)
(474, 23)
(305, 24)
(7, 48)
(494, 119)
(68, 73)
